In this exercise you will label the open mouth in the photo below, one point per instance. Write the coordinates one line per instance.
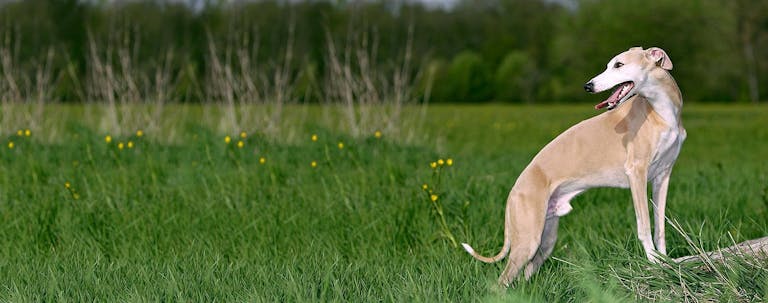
(619, 95)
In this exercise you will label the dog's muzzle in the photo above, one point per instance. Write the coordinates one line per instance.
(589, 87)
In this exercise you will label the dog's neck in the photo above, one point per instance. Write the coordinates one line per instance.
(664, 96)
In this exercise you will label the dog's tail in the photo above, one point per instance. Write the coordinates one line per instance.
(504, 250)
(496, 258)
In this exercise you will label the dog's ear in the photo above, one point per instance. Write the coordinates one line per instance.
(659, 56)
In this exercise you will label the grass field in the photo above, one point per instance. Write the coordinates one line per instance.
(197, 219)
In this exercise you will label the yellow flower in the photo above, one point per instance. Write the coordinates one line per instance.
(67, 185)
(262, 160)
(449, 161)
(10, 145)
(424, 187)
(19, 133)
(27, 132)
(108, 139)
(341, 145)
(314, 138)
(240, 144)
(120, 145)
(130, 144)
(433, 165)
(440, 162)
(377, 134)
(433, 197)
(139, 133)
(314, 164)
(243, 135)
(227, 139)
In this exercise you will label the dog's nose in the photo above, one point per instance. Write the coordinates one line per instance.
(589, 87)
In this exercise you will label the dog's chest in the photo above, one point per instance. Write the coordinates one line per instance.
(667, 150)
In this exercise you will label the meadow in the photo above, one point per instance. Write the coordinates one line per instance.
(184, 211)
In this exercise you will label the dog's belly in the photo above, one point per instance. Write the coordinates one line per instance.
(560, 200)
(608, 178)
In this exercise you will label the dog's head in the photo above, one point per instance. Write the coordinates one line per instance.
(627, 73)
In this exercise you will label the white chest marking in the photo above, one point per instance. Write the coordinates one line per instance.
(667, 150)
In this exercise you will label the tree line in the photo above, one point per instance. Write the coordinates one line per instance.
(478, 51)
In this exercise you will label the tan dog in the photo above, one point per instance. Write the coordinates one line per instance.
(624, 147)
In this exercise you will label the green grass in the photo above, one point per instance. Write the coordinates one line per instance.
(197, 220)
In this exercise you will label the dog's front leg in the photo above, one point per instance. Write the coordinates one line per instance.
(660, 186)
(638, 183)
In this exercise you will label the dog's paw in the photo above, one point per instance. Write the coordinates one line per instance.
(653, 258)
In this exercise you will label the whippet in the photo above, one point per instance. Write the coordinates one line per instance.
(626, 146)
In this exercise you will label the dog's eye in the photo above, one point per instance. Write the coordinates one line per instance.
(618, 64)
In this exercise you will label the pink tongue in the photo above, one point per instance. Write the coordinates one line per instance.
(614, 97)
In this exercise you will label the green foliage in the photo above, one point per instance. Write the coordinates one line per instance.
(425, 83)
(514, 78)
(704, 52)
(715, 45)
(466, 79)
(307, 83)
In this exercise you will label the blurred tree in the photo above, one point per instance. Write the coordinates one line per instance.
(425, 83)
(751, 15)
(307, 85)
(466, 80)
(516, 50)
(699, 37)
(515, 78)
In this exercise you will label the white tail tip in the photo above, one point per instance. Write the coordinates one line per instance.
(468, 248)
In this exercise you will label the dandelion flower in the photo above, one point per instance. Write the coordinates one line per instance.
(377, 134)
(108, 139)
(314, 138)
(341, 145)
(449, 161)
(243, 135)
(314, 164)
(440, 162)
(139, 133)
(27, 132)
(67, 185)
(227, 139)
(424, 187)
(130, 144)
(433, 165)
(19, 133)
(120, 145)
(240, 144)
(10, 145)
(433, 197)
(262, 160)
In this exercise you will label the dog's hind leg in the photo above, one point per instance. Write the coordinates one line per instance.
(548, 239)
(559, 205)
(526, 213)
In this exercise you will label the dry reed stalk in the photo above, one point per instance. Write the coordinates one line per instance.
(26, 89)
(372, 96)
(133, 97)
(252, 94)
